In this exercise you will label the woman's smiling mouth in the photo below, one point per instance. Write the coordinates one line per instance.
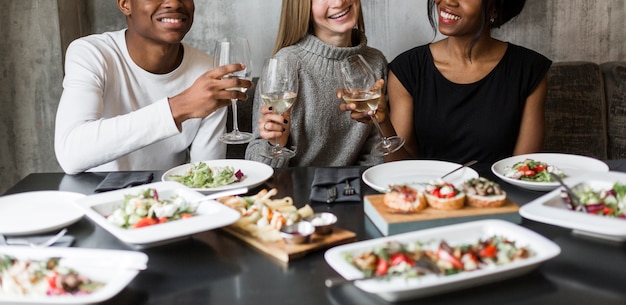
(339, 15)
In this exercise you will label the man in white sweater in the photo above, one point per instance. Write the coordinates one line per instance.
(139, 98)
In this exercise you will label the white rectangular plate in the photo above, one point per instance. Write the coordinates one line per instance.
(116, 268)
(399, 288)
(211, 215)
(551, 209)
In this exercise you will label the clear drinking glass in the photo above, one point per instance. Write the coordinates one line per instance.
(234, 50)
(279, 89)
(358, 88)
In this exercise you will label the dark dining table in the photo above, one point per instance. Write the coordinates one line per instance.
(214, 267)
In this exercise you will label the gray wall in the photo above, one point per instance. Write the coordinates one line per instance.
(36, 32)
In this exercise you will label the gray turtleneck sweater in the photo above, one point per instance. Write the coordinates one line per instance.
(321, 134)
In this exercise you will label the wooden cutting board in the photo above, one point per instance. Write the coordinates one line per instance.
(286, 252)
(390, 222)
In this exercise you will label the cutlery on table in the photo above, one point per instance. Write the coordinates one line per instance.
(470, 163)
(576, 204)
(348, 189)
(46, 243)
(331, 194)
(216, 195)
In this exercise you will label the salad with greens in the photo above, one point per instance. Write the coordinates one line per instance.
(533, 171)
(604, 202)
(201, 175)
(146, 208)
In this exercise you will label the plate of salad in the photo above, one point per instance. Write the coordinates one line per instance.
(156, 213)
(219, 175)
(603, 196)
(68, 276)
(532, 171)
(461, 256)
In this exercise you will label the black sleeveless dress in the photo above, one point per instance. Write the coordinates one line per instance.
(462, 122)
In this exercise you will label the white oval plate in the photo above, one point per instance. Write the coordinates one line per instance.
(551, 209)
(255, 173)
(415, 173)
(399, 288)
(211, 215)
(571, 165)
(38, 212)
(116, 268)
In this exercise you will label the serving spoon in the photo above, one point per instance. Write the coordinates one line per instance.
(572, 196)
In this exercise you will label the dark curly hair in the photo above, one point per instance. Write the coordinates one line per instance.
(494, 13)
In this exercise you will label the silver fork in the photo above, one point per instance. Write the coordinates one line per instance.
(331, 194)
(44, 244)
(348, 190)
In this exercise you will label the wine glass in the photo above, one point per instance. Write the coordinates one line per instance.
(230, 51)
(279, 89)
(358, 87)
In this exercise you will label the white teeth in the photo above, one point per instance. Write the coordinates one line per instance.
(449, 16)
(340, 14)
(171, 20)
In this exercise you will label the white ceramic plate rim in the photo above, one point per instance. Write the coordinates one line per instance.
(571, 165)
(211, 215)
(543, 209)
(115, 267)
(413, 172)
(38, 212)
(465, 232)
(255, 173)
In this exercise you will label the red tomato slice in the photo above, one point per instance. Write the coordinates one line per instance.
(144, 222)
(382, 267)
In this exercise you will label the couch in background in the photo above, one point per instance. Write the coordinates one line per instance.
(586, 109)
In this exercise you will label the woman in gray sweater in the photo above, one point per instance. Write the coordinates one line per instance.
(318, 34)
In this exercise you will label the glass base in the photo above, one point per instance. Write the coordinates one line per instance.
(393, 144)
(274, 152)
(236, 137)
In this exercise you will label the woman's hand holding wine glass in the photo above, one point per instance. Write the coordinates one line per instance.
(279, 89)
(228, 51)
(360, 88)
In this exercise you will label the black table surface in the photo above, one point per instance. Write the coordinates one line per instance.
(215, 268)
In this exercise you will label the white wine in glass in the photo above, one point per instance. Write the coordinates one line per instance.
(358, 88)
(279, 89)
(234, 50)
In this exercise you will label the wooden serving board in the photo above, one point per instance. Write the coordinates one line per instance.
(285, 252)
(390, 222)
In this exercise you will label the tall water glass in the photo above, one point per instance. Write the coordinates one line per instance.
(358, 87)
(234, 50)
(279, 89)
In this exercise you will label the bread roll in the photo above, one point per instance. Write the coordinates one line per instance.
(444, 196)
(483, 193)
(405, 199)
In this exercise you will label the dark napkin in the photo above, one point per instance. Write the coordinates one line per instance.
(64, 241)
(116, 181)
(326, 177)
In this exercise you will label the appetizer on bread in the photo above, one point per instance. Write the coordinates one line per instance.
(405, 199)
(483, 193)
(442, 195)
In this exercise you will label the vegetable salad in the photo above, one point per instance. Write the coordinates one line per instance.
(532, 170)
(201, 175)
(146, 208)
(611, 202)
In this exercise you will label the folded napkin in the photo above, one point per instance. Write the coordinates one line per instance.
(116, 181)
(326, 177)
(64, 241)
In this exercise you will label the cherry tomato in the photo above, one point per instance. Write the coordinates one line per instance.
(445, 256)
(607, 210)
(185, 215)
(52, 280)
(399, 258)
(489, 251)
(381, 267)
(539, 168)
(144, 222)
(523, 168)
(529, 173)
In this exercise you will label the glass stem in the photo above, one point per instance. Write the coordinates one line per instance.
(386, 142)
(235, 125)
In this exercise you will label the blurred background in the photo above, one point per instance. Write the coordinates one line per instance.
(35, 34)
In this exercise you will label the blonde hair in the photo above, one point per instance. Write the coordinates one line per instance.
(295, 23)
